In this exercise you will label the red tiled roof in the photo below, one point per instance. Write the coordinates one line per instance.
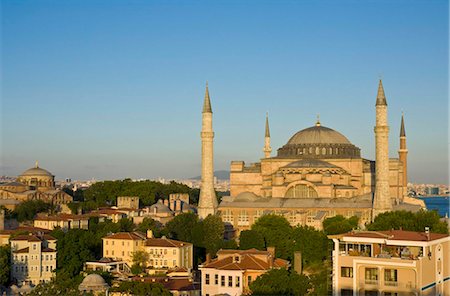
(48, 250)
(61, 217)
(171, 284)
(165, 242)
(246, 261)
(397, 235)
(127, 236)
(21, 251)
(33, 238)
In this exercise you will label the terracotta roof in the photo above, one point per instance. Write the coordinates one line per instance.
(126, 235)
(21, 251)
(33, 238)
(246, 261)
(48, 250)
(165, 242)
(61, 217)
(397, 235)
(249, 251)
(28, 229)
(171, 284)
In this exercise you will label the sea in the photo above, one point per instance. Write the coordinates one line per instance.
(439, 203)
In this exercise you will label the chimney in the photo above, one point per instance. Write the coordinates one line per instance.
(208, 258)
(149, 233)
(298, 262)
(427, 233)
(271, 251)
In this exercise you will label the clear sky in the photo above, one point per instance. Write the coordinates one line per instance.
(114, 89)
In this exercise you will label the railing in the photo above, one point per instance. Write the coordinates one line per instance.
(371, 282)
(391, 283)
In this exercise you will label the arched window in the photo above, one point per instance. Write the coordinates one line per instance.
(317, 150)
(301, 191)
(324, 151)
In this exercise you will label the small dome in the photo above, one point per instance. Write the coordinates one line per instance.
(36, 171)
(160, 207)
(318, 135)
(246, 196)
(93, 282)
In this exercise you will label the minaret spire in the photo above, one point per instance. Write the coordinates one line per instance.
(403, 155)
(382, 199)
(267, 149)
(207, 204)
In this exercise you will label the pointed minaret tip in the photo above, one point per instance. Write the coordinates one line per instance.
(381, 98)
(267, 134)
(402, 128)
(207, 103)
(36, 164)
(318, 120)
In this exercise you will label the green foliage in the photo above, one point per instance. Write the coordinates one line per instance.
(140, 259)
(181, 227)
(26, 210)
(313, 244)
(211, 230)
(229, 244)
(276, 232)
(150, 224)
(321, 282)
(106, 193)
(409, 221)
(339, 224)
(63, 284)
(142, 289)
(280, 282)
(126, 225)
(249, 239)
(5, 257)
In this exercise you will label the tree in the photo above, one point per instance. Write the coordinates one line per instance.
(249, 239)
(5, 259)
(150, 224)
(140, 259)
(313, 244)
(126, 225)
(280, 282)
(339, 224)
(409, 221)
(276, 231)
(181, 227)
(211, 230)
(63, 284)
(26, 210)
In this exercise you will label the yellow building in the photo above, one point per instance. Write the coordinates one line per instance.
(163, 253)
(121, 246)
(393, 262)
(233, 270)
(33, 258)
(64, 221)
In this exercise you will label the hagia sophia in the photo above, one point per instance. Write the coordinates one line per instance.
(34, 184)
(317, 174)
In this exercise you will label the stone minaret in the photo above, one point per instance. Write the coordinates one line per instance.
(403, 153)
(208, 202)
(382, 199)
(267, 149)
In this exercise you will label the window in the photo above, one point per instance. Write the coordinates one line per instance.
(301, 191)
(34, 246)
(222, 281)
(165, 251)
(207, 279)
(151, 262)
(346, 292)
(123, 243)
(112, 243)
(249, 279)
(151, 251)
(165, 263)
(390, 277)
(238, 281)
(228, 216)
(216, 279)
(230, 281)
(112, 252)
(106, 242)
(371, 276)
(174, 251)
(46, 268)
(347, 272)
(106, 252)
(243, 218)
(123, 253)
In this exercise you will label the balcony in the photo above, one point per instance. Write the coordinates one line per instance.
(371, 282)
(391, 283)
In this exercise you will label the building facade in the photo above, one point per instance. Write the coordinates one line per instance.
(33, 258)
(233, 270)
(63, 221)
(393, 262)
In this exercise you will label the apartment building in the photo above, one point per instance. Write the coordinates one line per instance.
(233, 270)
(33, 258)
(163, 253)
(387, 263)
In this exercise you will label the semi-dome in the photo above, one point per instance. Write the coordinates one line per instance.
(319, 142)
(318, 135)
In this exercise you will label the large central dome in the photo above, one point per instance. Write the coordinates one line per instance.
(319, 142)
(318, 135)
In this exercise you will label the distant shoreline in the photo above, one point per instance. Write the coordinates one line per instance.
(432, 196)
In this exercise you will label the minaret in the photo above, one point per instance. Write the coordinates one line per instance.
(208, 202)
(267, 149)
(382, 199)
(403, 153)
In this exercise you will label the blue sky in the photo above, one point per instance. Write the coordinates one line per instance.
(114, 89)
